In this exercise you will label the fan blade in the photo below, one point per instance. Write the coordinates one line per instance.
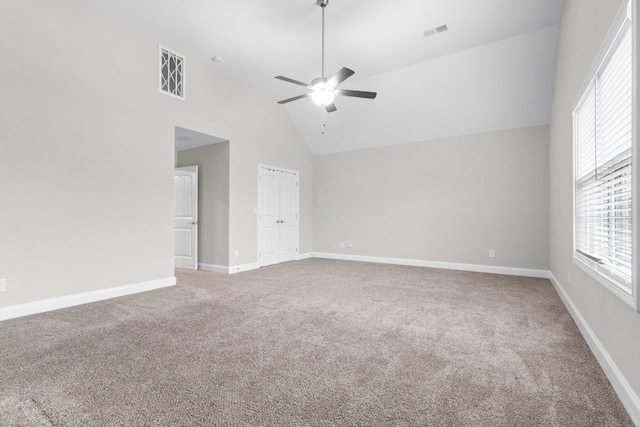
(293, 99)
(340, 76)
(356, 93)
(295, 82)
(330, 107)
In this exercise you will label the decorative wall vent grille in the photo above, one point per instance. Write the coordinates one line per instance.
(171, 73)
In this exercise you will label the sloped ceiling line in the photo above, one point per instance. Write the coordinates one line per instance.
(493, 69)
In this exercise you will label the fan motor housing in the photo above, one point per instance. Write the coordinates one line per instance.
(319, 80)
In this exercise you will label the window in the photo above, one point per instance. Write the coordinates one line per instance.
(171, 73)
(603, 153)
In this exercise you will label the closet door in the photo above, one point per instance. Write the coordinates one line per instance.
(278, 215)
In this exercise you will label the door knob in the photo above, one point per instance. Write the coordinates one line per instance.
(194, 223)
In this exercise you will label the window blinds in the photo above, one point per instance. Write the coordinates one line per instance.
(603, 132)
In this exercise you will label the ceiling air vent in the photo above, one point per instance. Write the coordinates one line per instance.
(171, 73)
(436, 30)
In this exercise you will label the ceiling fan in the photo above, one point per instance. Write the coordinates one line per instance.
(323, 90)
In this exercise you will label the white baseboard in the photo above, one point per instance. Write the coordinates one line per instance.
(629, 399)
(42, 306)
(213, 268)
(243, 267)
(627, 396)
(527, 272)
(305, 256)
(228, 269)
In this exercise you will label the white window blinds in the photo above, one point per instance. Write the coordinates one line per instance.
(603, 139)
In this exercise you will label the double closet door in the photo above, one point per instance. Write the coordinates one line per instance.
(278, 215)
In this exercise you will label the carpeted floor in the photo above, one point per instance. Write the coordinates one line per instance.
(309, 343)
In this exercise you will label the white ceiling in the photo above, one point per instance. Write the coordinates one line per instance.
(494, 69)
(186, 139)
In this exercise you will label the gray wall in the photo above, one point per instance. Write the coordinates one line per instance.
(445, 200)
(85, 159)
(584, 26)
(213, 200)
(269, 143)
(87, 152)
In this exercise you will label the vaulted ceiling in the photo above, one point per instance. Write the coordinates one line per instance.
(492, 70)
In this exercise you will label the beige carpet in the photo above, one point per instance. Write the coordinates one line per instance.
(309, 343)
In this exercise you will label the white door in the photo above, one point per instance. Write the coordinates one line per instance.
(278, 215)
(186, 217)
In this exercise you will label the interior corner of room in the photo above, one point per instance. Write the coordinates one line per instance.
(463, 161)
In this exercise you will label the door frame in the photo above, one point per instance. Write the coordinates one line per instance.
(259, 221)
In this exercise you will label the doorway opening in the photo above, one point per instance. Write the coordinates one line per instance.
(210, 234)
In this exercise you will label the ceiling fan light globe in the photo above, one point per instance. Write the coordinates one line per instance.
(323, 97)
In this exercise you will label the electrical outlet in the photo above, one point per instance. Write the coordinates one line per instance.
(3, 285)
(492, 253)
(342, 244)
(236, 253)
(349, 245)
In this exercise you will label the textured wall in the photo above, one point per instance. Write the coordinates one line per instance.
(213, 200)
(448, 200)
(86, 161)
(87, 152)
(584, 26)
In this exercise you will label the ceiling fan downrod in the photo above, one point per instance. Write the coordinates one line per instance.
(323, 90)
(323, 4)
